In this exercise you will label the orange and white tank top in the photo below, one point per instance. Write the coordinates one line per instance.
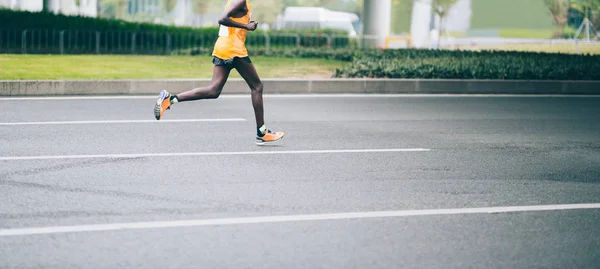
(231, 41)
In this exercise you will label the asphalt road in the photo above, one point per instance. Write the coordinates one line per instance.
(479, 152)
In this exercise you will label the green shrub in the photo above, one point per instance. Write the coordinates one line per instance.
(42, 20)
(471, 65)
(346, 55)
(97, 35)
(443, 64)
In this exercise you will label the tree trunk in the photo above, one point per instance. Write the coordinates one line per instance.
(439, 41)
(561, 23)
(561, 30)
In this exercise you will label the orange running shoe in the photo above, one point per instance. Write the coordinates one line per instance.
(162, 104)
(269, 138)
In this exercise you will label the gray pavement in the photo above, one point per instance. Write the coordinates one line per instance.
(484, 152)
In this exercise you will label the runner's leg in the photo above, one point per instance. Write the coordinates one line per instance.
(220, 75)
(166, 99)
(248, 72)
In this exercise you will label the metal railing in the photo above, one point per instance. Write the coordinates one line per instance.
(73, 41)
(57, 41)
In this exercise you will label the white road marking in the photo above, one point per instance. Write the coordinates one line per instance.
(91, 97)
(286, 218)
(233, 96)
(116, 121)
(179, 154)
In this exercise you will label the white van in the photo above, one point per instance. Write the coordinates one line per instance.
(318, 18)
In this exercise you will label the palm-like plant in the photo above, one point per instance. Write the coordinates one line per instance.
(585, 6)
(590, 10)
(559, 10)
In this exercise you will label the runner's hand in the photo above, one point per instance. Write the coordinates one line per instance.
(251, 26)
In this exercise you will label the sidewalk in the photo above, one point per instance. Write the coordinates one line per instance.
(298, 86)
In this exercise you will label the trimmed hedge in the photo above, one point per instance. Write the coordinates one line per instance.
(440, 64)
(427, 64)
(346, 55)
(46, 31)
(81, 35)
(42, 20)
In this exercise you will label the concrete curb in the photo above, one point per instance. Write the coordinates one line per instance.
(298, 86)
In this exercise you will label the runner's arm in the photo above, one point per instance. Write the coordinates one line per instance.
(233, 7)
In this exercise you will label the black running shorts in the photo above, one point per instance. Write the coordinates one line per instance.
(220, 62)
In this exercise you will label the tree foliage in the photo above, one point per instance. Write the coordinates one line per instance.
(200, 6)
(559, 10)
(169, 5)
(442, 8)
(584, 6)
(265, 11)
(589, 9)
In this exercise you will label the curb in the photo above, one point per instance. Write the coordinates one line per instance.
(299, 86)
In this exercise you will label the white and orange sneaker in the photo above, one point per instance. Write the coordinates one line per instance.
(269, 138)
(162, 104)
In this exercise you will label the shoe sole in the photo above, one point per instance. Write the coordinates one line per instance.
(158, 105)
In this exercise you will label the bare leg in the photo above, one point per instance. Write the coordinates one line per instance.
(248, 72)
(220, 75)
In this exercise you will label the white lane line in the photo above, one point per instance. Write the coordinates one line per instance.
(228, 96)
(103, 97)
(116, 121)
(178, 154)
(286, 218)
